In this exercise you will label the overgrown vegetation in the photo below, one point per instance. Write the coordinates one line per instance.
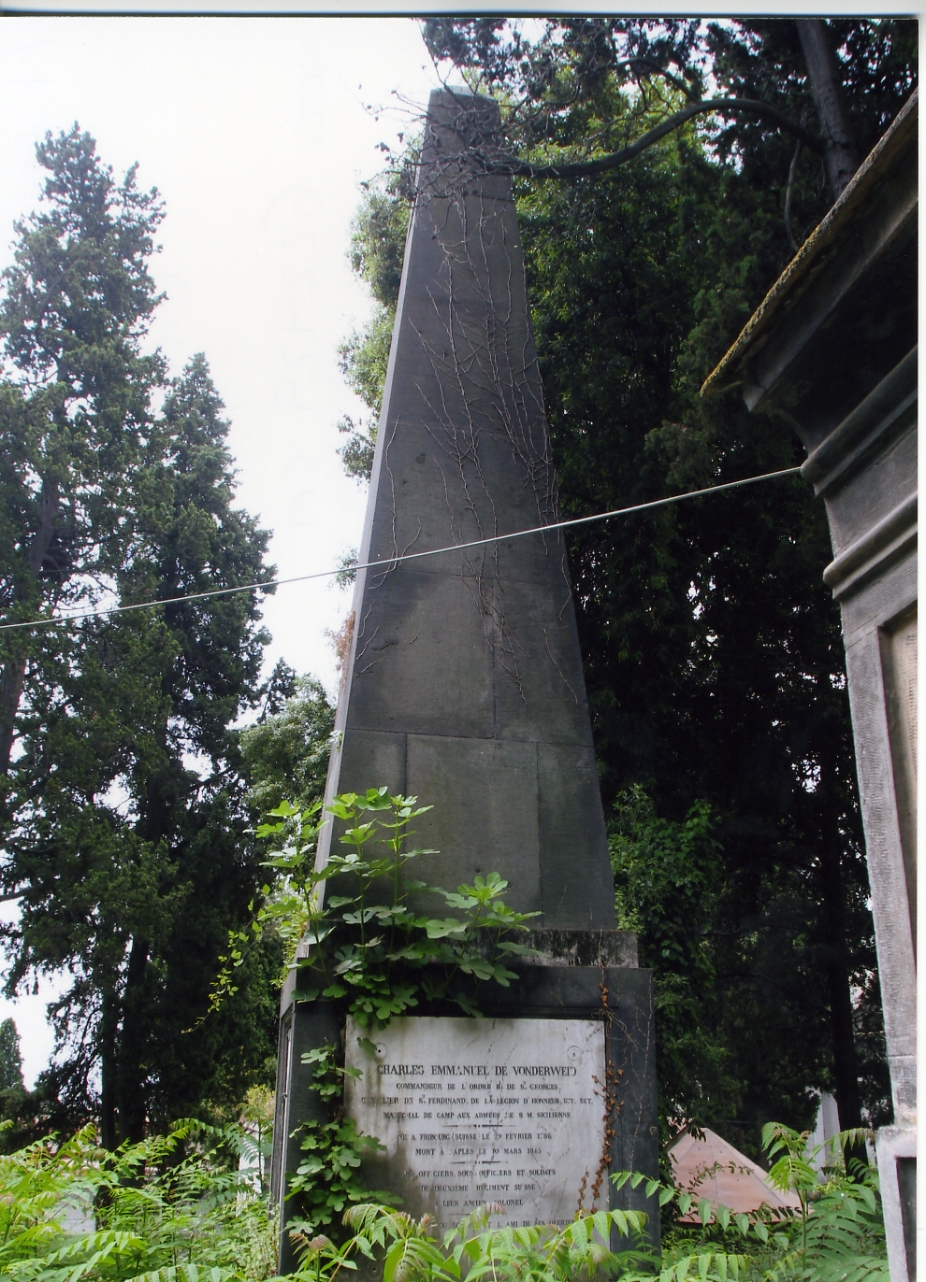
(359, 935)
(169, 1209)
(178, 1209)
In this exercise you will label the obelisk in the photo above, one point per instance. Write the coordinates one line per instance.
(464, 683)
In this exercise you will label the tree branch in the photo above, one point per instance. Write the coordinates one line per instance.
(789, 191)
(837, 146)
(720, 106)
(654, 69)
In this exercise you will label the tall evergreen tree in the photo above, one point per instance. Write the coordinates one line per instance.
(75, 390)
(126, 846)
(11, 1060)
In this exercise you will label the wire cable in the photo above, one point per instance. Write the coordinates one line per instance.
(62, 619)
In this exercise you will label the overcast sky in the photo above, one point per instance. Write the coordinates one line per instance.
(257, 133)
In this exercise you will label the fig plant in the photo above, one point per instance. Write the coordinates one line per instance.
(357, 931)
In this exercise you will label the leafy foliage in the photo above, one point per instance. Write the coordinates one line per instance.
(351, 928)
(286, 751)
(171, 1209)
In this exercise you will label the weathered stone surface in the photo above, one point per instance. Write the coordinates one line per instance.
(473, 656)
(471, 1112)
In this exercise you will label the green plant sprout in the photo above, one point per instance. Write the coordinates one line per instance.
(352, 931)
(361, 942)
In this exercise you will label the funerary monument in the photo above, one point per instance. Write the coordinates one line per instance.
(464, 687)
(831, 354)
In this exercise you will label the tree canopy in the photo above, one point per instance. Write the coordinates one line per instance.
(750, 80)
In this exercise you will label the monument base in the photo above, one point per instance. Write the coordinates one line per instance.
(582, 1005)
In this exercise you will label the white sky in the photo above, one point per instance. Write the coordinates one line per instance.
(255, 133)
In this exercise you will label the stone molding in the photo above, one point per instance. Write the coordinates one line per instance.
(884, 414)
(893, 536)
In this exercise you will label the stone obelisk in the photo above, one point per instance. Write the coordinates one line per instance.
(464, 683)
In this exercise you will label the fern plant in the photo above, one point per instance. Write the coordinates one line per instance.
(837, 1235)
(177, 1209)
(171, 1209)
(404, 1249)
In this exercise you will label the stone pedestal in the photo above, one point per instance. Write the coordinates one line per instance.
(585, 995)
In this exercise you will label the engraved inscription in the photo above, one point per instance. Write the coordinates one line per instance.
(492, 1110)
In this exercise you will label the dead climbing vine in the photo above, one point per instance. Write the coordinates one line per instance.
(481, 397)
(613, 1105)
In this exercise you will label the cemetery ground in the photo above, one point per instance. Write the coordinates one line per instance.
(194, 1204)
(185, 1207)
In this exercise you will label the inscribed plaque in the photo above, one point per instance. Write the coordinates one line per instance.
(475, 1111)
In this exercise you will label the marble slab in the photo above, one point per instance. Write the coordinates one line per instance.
(476, 1111)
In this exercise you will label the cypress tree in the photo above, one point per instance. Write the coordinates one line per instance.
(126, 845)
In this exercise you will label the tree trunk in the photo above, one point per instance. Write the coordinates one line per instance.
(11, 689)
(108, 1022)
(133, 1102)
(837, 969)
(132, 1045)
(839, 152)
(845, 1062)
